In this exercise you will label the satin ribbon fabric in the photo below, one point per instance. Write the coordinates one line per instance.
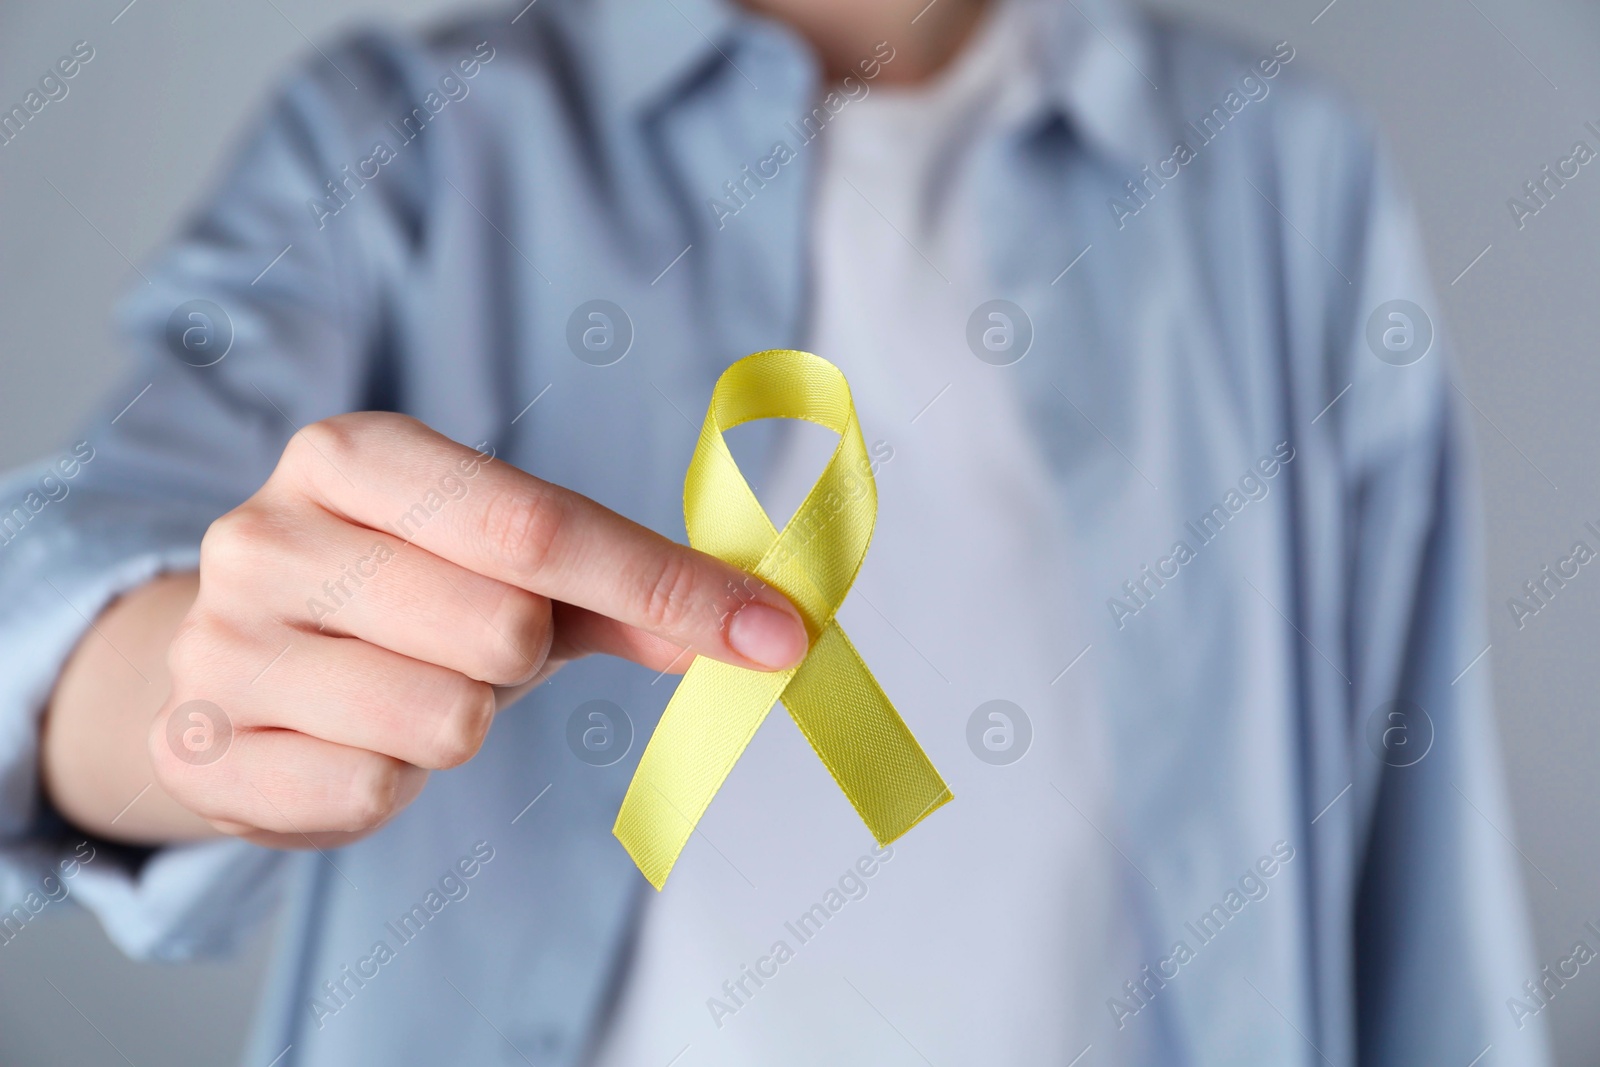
(831, 695)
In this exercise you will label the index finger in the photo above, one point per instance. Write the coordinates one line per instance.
(391, 472)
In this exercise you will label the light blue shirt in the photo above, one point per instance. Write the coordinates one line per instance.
(1290, 661)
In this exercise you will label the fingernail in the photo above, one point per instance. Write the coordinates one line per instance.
(767, 636)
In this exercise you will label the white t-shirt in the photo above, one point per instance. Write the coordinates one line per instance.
(993, 932)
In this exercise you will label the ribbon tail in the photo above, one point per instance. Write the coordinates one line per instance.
(862, 740)
(706, 727)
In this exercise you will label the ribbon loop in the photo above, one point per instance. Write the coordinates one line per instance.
(814, 560)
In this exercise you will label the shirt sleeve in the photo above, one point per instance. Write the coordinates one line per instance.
(1441, 931)
(256, 320)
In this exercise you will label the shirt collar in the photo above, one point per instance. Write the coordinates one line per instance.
(644, 54)
(1096, 61)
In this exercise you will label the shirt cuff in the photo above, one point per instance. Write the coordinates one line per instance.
(174, 903)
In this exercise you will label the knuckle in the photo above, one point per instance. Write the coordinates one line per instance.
(233, 541)
(319, 442)
(517, 639)
(336, 441)
(353, 429)
(392, 423)
(168, 769)
(464, 727)
(373, 795)
(199, 642)
(669, 589)
(196, 788)
(521, 528)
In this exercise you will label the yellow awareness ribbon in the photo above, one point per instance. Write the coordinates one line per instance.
(831, 695)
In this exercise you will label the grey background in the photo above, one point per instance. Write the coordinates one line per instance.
(1474, 96)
